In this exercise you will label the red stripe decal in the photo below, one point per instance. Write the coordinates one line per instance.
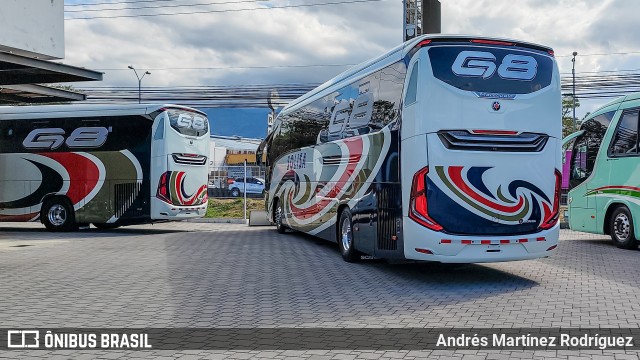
(455, 173)
(355, 147)
(83, 174)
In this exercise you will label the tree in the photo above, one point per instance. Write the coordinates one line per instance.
(567, 114)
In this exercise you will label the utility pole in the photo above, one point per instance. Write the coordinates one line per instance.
(573, 96)
(420, 17)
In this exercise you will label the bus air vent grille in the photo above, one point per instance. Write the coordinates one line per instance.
(386, 218)
(465, 140)
(124, 196)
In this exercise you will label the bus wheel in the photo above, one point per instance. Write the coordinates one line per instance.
(101, 226)
(345, 238)
(621, 228)
(57, 215)
(277, 218)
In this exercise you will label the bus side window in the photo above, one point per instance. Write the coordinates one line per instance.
(386, 107)
(625, 140)
(159, 135)
(412, 88)
(7, 132)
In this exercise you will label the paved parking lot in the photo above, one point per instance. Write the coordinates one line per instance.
(229, 275)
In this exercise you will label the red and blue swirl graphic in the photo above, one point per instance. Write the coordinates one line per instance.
(469, 207)
(171, 189)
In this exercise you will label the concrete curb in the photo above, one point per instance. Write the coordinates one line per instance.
(219, 220)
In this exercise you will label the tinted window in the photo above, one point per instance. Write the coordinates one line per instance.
(102, 133)
(585, 148)
(490, 69)
(159, 135)
(188, 122)
(412, 88)
(625, 140)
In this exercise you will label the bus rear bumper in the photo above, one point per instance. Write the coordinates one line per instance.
(164, 211)
(427, 245)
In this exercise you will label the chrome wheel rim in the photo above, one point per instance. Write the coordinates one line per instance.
(278, 218)
(57, 215)
(621, 227)
(346, 234)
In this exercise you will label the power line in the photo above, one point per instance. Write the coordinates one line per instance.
(117, 2)
(231, 67)
(167, 6)
(256, 95)
(604, 54)
(599, 72)
(225, 11)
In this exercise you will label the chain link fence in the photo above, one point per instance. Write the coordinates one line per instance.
(228, 181)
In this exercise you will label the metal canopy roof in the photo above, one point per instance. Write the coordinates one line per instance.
(19, 76)
(16, 70)
(32, 94)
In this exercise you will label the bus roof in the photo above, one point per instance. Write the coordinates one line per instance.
(392, 56)
(48, 111)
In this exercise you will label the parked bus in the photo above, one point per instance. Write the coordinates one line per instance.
(604, 196)
(446, 148)
(109, 165)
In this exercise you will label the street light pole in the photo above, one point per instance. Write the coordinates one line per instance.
(139, 82)
(573, 96)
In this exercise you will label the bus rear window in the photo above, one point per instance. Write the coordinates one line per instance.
(188, 123)
(484, 69)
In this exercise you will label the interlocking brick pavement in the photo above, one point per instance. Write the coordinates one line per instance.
(230, 275)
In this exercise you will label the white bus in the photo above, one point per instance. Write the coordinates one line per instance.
(446, 148)
(110, 165)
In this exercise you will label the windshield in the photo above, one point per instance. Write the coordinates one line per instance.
(188, 122)
(586, 147)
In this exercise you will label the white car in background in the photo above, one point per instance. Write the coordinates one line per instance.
(254, 186)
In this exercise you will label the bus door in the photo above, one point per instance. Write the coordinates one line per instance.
(582, 208)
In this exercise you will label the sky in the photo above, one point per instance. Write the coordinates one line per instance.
(311, 44)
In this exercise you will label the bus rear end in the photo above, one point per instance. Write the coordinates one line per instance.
(481, 135)
(179, 166)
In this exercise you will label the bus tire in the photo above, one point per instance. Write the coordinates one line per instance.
(57, 214)
(278, 213)
(345, 237)
(235, 192)
(104, 226)
(621, 228)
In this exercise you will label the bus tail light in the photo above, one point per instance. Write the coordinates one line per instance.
(551, 218)
(423, 43)
(163, 189)
(492, 42)
(418, 211)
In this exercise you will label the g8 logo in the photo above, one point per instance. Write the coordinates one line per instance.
(191, 121)
(483, 64)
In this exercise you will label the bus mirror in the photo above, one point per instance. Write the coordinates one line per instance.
(259, 153)
(569, 138)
